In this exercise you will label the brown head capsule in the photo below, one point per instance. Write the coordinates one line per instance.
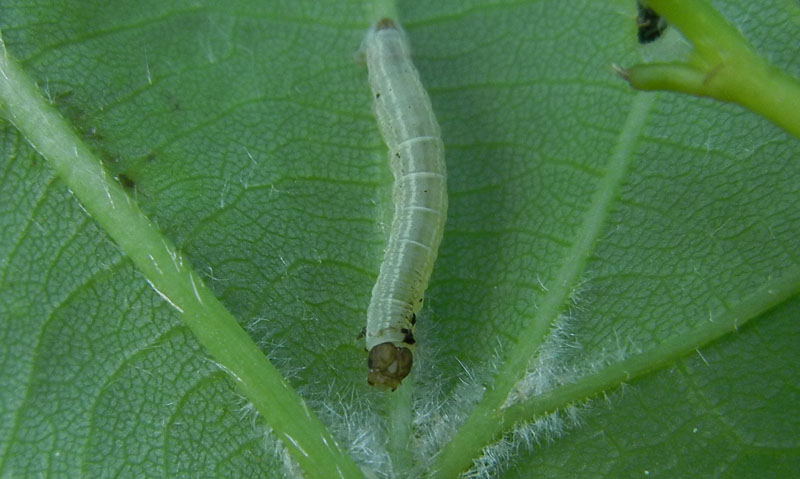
(388, 365)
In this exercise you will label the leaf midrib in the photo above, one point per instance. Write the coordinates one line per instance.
(483, 425)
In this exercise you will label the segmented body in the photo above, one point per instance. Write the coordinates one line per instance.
(416, 153)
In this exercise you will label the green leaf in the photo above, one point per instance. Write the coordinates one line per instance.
(590, 227)
(168, 273)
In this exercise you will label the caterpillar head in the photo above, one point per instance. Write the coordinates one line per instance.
(388, 365)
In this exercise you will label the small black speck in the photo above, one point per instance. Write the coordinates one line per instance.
(649, 24)
(126, 181)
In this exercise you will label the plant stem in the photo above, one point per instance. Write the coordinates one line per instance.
(170, 275)
(722, 66)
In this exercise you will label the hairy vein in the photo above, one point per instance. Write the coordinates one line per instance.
(484, 425)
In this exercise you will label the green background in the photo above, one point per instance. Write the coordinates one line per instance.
(244, 131)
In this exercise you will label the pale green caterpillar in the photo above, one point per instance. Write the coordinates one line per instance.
(416, 154)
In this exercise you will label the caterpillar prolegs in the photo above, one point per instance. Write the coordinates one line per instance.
(416, 155)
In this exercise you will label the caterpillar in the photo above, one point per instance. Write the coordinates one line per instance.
(419, 193)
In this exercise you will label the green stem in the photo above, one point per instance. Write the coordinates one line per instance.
(713, 38)
(722, 66)
(170, 275)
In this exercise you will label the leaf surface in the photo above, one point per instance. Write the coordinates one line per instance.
(245, 132)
